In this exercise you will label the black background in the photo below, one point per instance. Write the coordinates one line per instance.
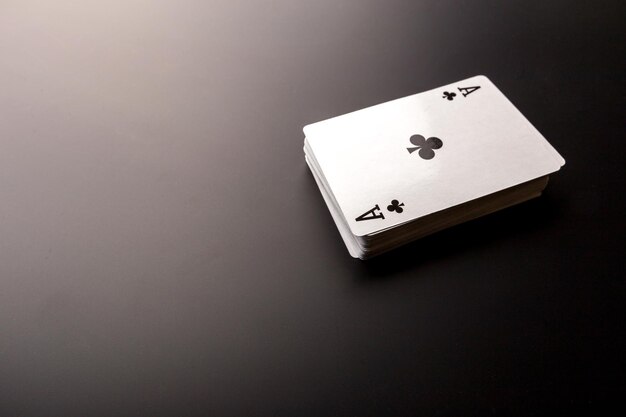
(165, 251)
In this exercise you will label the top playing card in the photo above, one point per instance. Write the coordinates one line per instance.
(407, 158)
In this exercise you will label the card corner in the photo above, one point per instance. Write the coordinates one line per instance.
(483, 77)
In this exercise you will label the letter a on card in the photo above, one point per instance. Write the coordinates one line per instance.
(371, 215)
(466, 91)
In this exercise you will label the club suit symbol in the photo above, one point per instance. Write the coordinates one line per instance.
(425, 146)
(395, 206)
(449, 96)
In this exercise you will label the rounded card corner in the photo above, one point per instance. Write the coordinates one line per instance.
(483, 77)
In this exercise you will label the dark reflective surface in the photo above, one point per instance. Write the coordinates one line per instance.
(165, 251)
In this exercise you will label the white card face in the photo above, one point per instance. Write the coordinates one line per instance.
(407, 158)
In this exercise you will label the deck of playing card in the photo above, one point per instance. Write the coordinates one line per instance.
(400, 170)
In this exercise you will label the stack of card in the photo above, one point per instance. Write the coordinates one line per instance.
(401, 170)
